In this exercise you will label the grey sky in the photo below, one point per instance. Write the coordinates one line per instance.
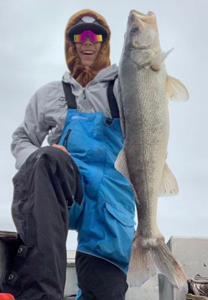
(32, 54)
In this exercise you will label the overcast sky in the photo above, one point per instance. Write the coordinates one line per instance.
(32, 54)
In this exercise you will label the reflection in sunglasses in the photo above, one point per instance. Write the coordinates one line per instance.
(81, 37)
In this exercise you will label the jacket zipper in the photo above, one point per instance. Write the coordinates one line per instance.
(66, 138)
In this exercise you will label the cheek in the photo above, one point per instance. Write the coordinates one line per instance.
(98, 47)
(77, 48)
(135, 41)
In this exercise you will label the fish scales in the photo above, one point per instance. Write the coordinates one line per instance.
(147, 136)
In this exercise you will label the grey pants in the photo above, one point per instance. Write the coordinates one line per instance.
(44, 188)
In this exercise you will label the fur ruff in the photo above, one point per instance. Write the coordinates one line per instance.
(85, 74)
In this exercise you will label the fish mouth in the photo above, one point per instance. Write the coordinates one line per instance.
(141, 16)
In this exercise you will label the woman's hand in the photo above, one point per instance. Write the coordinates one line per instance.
(61, 147)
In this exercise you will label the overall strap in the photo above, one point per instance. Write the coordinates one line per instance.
(112, 100)
(70, 98)
(71, 102)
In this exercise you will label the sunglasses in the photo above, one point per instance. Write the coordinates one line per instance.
(81, 37)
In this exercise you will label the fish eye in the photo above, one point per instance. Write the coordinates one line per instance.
(134, 29)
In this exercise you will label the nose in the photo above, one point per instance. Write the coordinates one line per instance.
(87, 41)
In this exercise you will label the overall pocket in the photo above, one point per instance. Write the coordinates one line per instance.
(118, 228)
(123, 216)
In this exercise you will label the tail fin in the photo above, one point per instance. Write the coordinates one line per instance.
(152, 256)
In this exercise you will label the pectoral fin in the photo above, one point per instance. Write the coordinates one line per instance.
(176, 90)
(169, 185)
(158, 60)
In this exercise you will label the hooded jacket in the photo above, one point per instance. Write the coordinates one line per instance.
(85, 74)
(47, 110)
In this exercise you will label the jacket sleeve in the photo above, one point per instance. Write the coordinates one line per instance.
(29, 136)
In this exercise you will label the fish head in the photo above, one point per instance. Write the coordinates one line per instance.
(142, 33)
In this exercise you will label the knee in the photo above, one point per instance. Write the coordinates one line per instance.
(44, 156)
(52, 159)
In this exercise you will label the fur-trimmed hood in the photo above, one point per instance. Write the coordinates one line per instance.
(85, 74)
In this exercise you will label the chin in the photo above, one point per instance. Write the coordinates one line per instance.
(87, 64)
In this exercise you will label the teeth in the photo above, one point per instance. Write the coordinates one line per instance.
(88, 52)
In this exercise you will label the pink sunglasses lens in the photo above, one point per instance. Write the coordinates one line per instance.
(95, 38)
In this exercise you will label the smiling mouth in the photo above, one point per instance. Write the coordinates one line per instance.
(88, 52)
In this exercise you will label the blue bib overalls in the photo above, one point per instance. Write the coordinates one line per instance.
(105, 218)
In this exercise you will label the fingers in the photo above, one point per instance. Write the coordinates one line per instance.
(61, 147)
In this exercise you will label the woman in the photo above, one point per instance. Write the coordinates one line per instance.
(73, 182)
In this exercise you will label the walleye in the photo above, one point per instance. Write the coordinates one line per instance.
(144, 91)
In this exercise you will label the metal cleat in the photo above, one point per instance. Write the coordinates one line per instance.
(197, 288)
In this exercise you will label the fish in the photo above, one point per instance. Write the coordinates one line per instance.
(144, 92)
